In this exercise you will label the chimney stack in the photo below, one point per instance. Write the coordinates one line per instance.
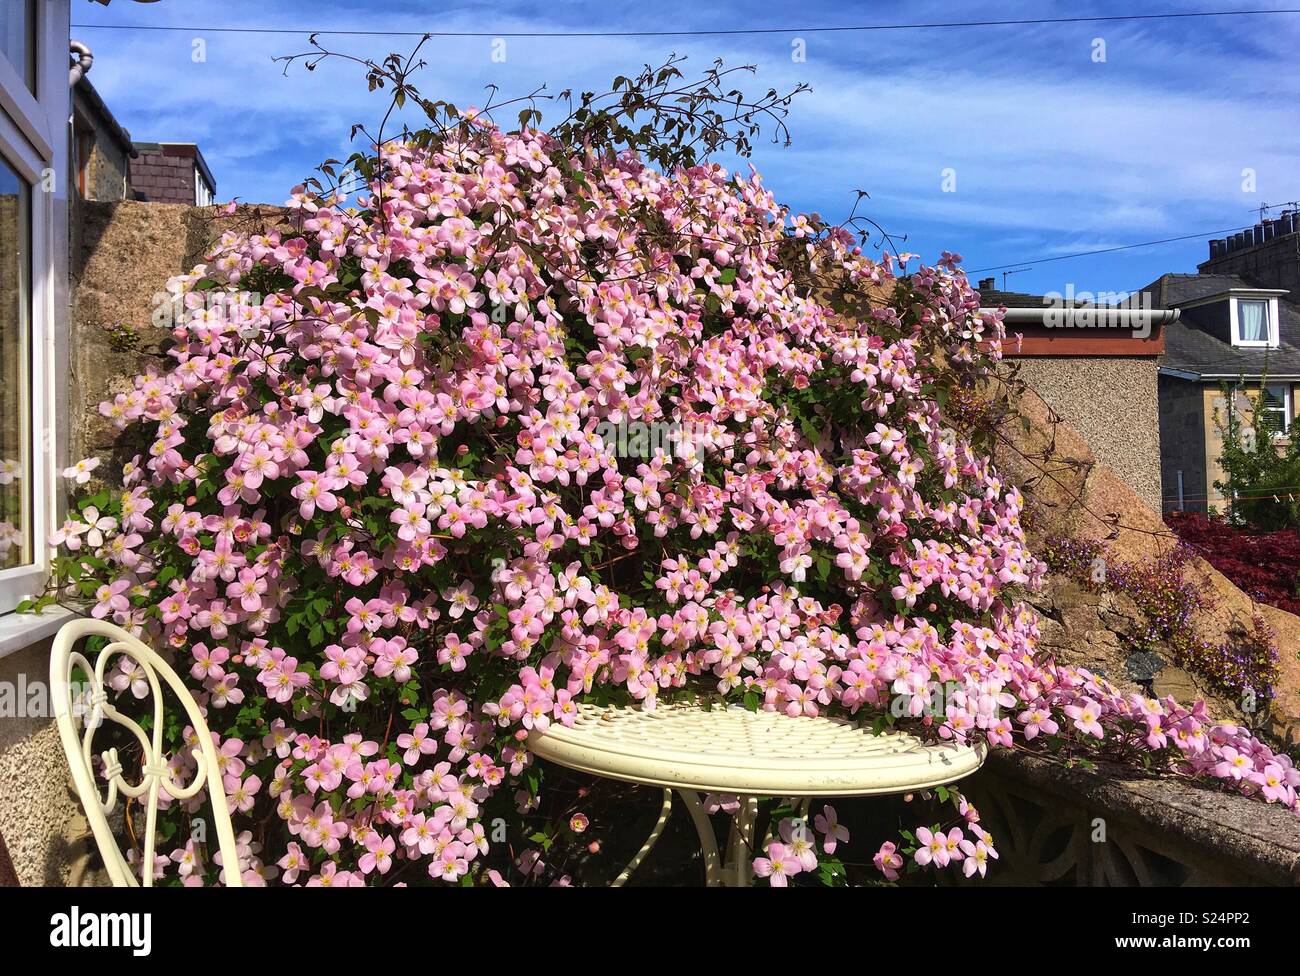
(1264, 255)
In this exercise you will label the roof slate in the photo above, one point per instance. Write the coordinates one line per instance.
(1193, 350)
(1170, 290)
(992, 298)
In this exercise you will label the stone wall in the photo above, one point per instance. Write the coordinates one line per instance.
(108, 168)
(1110, 827)
(1112, 401)
(124, 254)
(44, 830)
(1272, 264)
(1071, 493)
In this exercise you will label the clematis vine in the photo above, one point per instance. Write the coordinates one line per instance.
(379, 524)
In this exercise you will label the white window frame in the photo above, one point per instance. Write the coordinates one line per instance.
(1270, 310)
(34, 143)
(202, 192)
(1287, 407)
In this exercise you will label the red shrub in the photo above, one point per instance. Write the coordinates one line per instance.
(1266, 565)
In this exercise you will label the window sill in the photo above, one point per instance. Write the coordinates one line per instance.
(20, 630)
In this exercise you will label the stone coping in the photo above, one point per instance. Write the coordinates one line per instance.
(1263, 835)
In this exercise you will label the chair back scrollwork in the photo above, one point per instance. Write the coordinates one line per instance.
(82, 706)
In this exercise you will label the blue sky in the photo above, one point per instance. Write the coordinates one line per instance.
(1053, 152)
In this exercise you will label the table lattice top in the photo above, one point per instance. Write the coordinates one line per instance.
(734, 750)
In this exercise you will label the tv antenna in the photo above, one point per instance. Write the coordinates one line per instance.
(1011, 272)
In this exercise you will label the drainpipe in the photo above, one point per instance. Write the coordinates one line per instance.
(82, 65)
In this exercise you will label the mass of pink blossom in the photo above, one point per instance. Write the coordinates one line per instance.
(374, 519)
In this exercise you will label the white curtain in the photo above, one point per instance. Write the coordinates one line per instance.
(1252, 321)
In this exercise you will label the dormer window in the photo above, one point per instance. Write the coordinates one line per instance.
(1254, 322)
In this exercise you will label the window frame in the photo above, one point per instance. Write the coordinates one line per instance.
(34, 142)
(1285, 407)
(1272, 339)
(31, 75)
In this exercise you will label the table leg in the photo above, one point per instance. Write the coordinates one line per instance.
(740, 843)
(713, 875)
(648, 846)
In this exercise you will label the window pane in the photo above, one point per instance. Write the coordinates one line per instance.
(15, 370)
(1253, 321)
(18, 37)
(1272, 405)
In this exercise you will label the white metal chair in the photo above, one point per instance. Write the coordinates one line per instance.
(79, 715)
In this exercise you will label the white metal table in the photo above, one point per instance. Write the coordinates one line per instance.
(693, 750)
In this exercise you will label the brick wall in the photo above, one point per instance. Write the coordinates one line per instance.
(160, 177)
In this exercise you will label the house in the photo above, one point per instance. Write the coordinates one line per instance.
(102, 150)
(173, 172)
(1239, 326)
(1093, 358)
(108, 165)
